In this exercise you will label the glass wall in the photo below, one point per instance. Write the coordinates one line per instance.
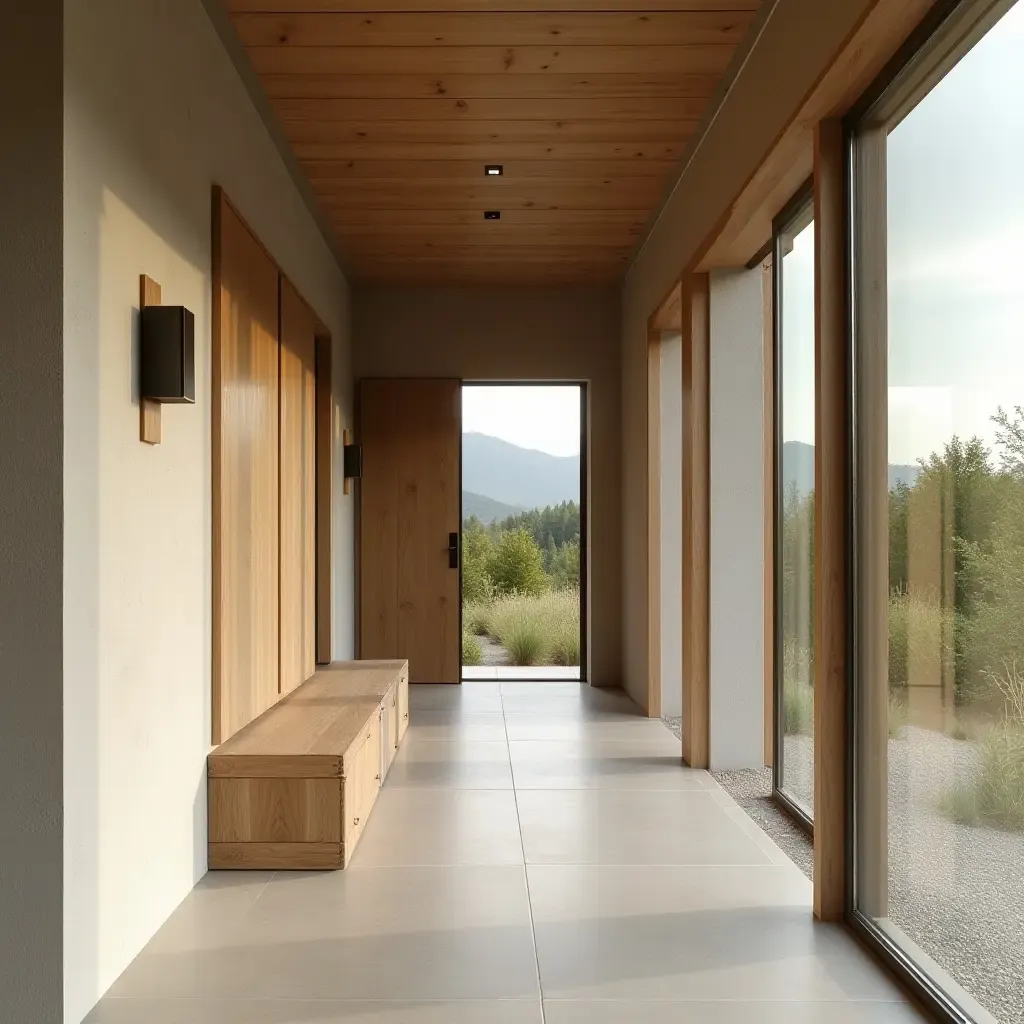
(794, 511)
(939, 427)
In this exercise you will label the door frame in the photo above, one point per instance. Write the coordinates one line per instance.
(583, 385)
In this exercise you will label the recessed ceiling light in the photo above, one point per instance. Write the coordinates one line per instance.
(494, 170)
(492, 214)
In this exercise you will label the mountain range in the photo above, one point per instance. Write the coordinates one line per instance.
(500, 479)
(798, 469)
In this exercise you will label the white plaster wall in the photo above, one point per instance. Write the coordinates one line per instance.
(671, 413)
(737, 532)
(155, 114)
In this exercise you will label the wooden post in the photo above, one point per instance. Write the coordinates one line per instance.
(150, 294)
(696, 331)
(654, 551)
(830, 523)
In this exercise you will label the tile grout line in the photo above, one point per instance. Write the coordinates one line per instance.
(526, 873)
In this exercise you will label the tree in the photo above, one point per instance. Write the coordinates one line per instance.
(516, 565)
(476, 554)
(566, 566)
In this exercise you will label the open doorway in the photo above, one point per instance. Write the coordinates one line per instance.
(524, 531)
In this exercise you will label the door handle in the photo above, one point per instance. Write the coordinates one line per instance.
(453, 551)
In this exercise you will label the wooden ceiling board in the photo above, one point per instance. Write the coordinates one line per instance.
(393, 107)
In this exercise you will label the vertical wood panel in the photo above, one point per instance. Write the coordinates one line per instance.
(298, 489)
(150, 413)
(324, 500)
(654, 548)
(696, 327)
(245, 475)
(830, 514)
(409, 503)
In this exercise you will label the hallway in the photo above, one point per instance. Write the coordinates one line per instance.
(532, 839)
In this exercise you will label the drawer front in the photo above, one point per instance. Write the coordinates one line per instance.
(391, 707)
(403, 703)
(362, 782)
(275, 810)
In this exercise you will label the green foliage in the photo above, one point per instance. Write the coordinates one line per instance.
(526, 641)
(542, 630)
(995, 796)
(472, 652)
(565, 567)
(516, 565)
(797, 605)
(797, 691)
(560, 523)
(476, 617)
(477, 549)
(921, 640)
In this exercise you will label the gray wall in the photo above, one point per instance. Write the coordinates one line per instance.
(31, 482)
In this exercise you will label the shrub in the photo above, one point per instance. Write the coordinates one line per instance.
(476, 553)
(565, 567)
(797, 690)
(995, 796)
(921, 639)
(476, 618)
(526, 641)
(536, 630)
(516, 565)
(472, 654)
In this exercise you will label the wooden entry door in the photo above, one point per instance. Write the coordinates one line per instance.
(410, 506)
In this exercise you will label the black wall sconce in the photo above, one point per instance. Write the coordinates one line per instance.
(168, 360)
(352, 461)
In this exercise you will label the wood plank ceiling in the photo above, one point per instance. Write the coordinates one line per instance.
(394, 107)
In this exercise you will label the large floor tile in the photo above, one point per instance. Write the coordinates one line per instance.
(390, 933)
(692, 934)
(728, 1012)
(575, 727)
(453, 763)
(589, 703)
(478, 697)
(312, 1011)
(631, 827)
(452, 724)
(608, 764)
(420, 827)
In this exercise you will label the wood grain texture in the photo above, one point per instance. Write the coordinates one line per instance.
(696, 324)
(275, 810)
(557, 92)
(431, 6)
(411, 435)
(297, 489)
(150, 413)
(831, 468)
(324, 499)
(654, 552)
(245, 475)
(314, 729)
(276, 856)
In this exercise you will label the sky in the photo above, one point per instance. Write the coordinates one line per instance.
(543, 417)
(955, 260)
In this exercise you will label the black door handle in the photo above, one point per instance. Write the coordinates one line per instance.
(453, 551)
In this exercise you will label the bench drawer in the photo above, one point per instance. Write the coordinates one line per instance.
(275, 810)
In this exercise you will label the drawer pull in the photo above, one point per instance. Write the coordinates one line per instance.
(355, 821)
(377, 776)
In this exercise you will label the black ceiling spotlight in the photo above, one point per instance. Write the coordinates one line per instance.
(494, 170)
(492, 214)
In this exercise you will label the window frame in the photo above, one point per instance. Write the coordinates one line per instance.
(799, 210)
(950, 30)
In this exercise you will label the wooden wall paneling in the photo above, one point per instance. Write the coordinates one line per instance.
(831, 604)
(654, 552)
(325, 441)
(696, 330)
(297, 493)
(245, 474)
(411, 435)
(150, 413)
(768, 345)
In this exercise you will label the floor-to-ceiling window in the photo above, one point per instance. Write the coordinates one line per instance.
(794, 508)
(938, 258)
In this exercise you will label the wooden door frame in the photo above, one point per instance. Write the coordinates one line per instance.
(583, 385)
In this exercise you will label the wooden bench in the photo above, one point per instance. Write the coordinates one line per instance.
(294, 788)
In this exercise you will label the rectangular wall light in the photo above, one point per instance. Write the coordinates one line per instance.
(494, 170)
(492, 214)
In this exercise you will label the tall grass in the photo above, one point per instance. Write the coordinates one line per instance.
(995, 796)
(472, 653)
(539, 630)
(797, 690)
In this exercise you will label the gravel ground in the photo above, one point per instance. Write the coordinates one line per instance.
(955, 890)
(492, 653)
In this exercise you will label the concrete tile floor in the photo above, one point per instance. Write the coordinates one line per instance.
(538, 856)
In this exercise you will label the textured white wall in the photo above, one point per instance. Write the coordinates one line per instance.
(155, 114)
(671, 410)
(737, 531)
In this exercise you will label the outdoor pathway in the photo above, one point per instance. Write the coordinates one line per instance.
(538, 854)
